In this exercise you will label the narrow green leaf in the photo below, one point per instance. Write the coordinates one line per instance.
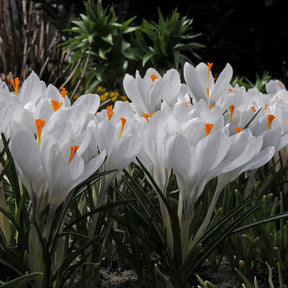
(263, 221)
(147, 57)
(108, 38)
(270, 281)
(22, 280)
(280, 277)
(102, 53)
(244, 279)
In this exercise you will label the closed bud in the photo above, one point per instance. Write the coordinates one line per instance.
(241, 263)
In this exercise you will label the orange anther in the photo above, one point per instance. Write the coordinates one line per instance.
(209, 66)
(110, 112)
(39, 124)
(123, 120)
(232, 108)
(208, 128)
(270, 120)
(15, 82)
(73, 151)
(207, 92)
(153, 77)
(56, 105)
(63, 92)
(146, 117)
(238, 130)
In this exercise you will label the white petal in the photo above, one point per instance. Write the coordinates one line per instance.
(193, 81)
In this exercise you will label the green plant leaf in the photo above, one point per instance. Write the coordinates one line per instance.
(247, 283)
(22, 280)
(147, 57)
(108, 38)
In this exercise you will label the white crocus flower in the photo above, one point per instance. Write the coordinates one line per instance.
(26, 101)
(117, 135)
(52, 101)
(79, 114)
(6, 109)
(52, 166)
(273, 86)
(147, 93)
(154, 156)
(113, 130)
(245, 153)
(194, 166)
(201, 83)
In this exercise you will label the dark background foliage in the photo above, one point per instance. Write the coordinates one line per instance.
(251, 35)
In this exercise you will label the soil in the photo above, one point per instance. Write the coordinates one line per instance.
(112, 277)
(116, 278)
(223, 277)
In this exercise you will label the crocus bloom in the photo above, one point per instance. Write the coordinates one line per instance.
(118, 135)
(154, 154)
(147, 93)
(201, 83)
(53, 168)
(24, 103)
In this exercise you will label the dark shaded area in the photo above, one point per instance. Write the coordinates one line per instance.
(251, 35)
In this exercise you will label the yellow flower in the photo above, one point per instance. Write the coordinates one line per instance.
(124, 98)
(104, 96)
(101, 89)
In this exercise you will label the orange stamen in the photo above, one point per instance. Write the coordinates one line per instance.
(208, 128)
(63, 92)
(56, 105)
(15, 82)
(39, 124)
(187, 103)
(232, 108)
(207, 91)
(152, 114)
(254, 109)
(279, 84)
(230, 90)
(110, 112)
(238, 130)
(146, 117)
(210, 107)
(270, 120)
(209, 68)
(123, 124)
(73, 151)
(266, 106)
(153, 77)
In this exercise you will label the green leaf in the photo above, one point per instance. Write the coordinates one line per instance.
(280, 277)
(269, 276)
(102, 53)
(263, 221)
(244, 279)
(108, 39)
(147, 57)
(22, 280)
